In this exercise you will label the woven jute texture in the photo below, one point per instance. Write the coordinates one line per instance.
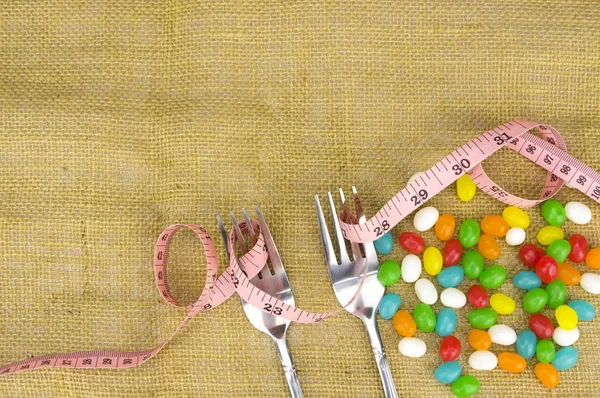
(118, 119)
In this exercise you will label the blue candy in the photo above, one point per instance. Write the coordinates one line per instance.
(565, 358)
(384, 244)
(389, 305)
(585, 311)
(527, 280)
(446, 322)
(448, 372)
(526, 344)
(451, 276)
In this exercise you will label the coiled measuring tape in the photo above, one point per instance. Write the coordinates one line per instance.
(548, 151)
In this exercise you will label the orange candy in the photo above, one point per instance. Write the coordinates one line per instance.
(547, 374)
(444, 227)
(495, 226)
(513, 363)
(568, 274)
(404, 324)
(480, 339)
(488, 247)
(593, 258)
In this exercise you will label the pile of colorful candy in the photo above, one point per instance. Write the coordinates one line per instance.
(466, 256)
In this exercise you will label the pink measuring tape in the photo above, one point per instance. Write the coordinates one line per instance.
(547, 151)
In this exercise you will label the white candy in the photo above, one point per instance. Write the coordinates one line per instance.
(415, 176)
(515, 236)
(411, 268)
(412, 347)
(426, 291)
(578, 213)
(426, 218)
(564, 337)
(453, 298)
(502, 334)
(483, 360)
(590, 283)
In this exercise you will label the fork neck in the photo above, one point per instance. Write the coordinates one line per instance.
(373, 332)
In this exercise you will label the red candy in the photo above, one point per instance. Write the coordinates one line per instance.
(579, 248)
(449, 348)
(547, 269)
(412, 242)
(541, 326)
(452, 252)
(477, 296)
(531, 254)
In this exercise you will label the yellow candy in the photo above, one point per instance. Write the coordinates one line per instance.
(515, 217)
(502, 303)
(432, 260)
(465, 188)
(549, 234)
(566, 317)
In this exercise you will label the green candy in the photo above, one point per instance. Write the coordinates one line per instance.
(493, 277)
(545, 351)
(469, 233)
(465, 386)
(424, 317)
(557, 293)
(559, 250)
(483, 318)
(389, 272)
(554, 212)
(472, 263)
(535, 300)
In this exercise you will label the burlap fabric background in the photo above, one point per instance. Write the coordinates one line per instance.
(118, 120)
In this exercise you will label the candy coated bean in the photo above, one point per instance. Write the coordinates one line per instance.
(465, 386)
(415, 176)
(483, 318)
(515, 236)
(585, 311)
(424, 318)
(549, 234)
(384, 244)
(565, 358)
(473, 264)
(530, 255)
(593, 258)
(446, 322)
(526, 343)
(389, 272)
(566, 317)
(578, 213)
(444, 227)
(426, 291)
(547, 269)
(494, 226)
(483, 360)
(565, 338)
(559, 250)
(568, 274)
(450, 277)
(404, 324)
(527, 280)
(541, 326)
(510, 362)
(515, 217)
(449, 348)
(453, 298)
(554, 212)
(579, 248)
(432, 260)
(480, 339)
(477, 296)
(412, 242)
(452, 252)
(389, 305)
(502, 304)
(426, 218)
(545, 351)
(488, 247)
(535, 300)
(448, 372)
(411, 268)
(547, 374)
(557, 294)
(412, 347)
(493, 277)
(502, 334)
(465, 188)
(590, 283)
(469, 233)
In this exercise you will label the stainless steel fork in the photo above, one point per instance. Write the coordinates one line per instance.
(346, 277)
(277, 285)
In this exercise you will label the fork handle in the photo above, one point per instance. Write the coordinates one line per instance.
(383, 365)
(288, 368)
